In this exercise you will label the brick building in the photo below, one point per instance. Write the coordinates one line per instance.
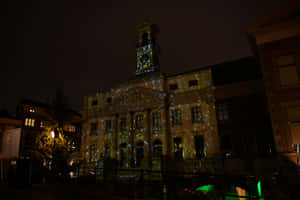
(276, 41)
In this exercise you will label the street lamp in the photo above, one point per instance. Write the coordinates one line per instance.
(52, 134)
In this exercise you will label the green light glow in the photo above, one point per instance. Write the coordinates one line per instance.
(259, 188)
(259, 191)
(205, 188)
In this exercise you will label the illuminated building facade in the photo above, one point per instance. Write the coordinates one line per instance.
(36, 116)
(9, 144)
(276, 41)
(152, 115)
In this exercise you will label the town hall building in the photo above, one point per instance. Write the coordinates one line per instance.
(152, 115)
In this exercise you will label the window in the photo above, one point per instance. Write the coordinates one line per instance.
(139, 122)
(123, 124)
(226, 143)
(93, 127)
(193, 83)
(199, 146)
(156, 120)
(92, 152)
(139, 153)
(222, 112)
(178, 148)
(109, 100)
(174, 86)
(287, 70)
(157, 149)
(71, 128)
(31, 110)
(41, 124)
(94, 102)
(176, 117)
(29, 122)
(108, 127)
(196, 114)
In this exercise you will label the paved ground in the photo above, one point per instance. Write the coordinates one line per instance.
(60, 192)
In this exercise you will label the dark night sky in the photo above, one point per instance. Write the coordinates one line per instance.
(84, 45)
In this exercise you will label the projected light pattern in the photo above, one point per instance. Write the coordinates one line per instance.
(152, 102)
(143, 117)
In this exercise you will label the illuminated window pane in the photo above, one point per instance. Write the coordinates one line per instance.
(32, 122)
(26, 121)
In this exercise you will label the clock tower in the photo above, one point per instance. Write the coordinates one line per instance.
(147, 48)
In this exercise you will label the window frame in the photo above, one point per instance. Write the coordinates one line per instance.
(194, 111)
(176, 116)
(139, 121)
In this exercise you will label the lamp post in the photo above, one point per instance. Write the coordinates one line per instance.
(297, 155)
(53, 135)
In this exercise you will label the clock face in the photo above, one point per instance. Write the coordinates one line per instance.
(144, 58)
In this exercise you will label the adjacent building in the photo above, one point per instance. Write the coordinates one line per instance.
(244, 126)
(276, 42)
(10, 134)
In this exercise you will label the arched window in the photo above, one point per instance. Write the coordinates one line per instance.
(139, 153)
(157, 149)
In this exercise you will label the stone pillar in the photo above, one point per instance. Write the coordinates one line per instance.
(116, 135)
(131, 139)
(149, 139)
(167, 118)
